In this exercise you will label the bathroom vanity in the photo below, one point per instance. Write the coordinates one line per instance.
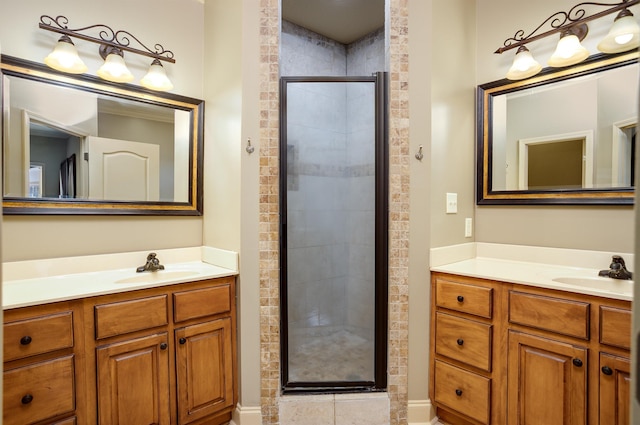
(518, 353)
(149, 353)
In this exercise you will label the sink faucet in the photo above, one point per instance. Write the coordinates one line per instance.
(617, 269)
(152, 265)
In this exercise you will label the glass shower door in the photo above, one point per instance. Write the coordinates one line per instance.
(333, 233)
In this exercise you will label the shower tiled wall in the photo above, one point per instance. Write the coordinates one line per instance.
(317, 246)
(331, 172)
(306, 53)
(398, 204)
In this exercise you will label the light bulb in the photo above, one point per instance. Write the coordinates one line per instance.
(156, 78)
(524, 65)
(568, 52)
(624, 34)
(114, 69)
(64, 57)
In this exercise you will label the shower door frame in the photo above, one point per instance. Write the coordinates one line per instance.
(381, 82)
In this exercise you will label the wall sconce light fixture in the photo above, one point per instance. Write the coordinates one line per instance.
(112, 44)
(624, 35)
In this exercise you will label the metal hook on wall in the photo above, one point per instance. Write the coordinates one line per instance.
(249, 148)
(419, 154)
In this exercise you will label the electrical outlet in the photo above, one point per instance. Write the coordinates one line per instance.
(468, 227)
(452, 203)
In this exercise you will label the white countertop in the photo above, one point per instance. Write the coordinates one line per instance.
(24, 284)
(565, 277)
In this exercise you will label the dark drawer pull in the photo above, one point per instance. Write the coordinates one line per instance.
(460, 341)
(25, 340)
(163, 346)
(458, 392)
(182, 341)
(577, 362)
(27, 399)
(460, 298)
(607, 370)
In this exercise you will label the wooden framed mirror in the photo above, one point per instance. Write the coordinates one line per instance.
(81, 145)
(566, 136)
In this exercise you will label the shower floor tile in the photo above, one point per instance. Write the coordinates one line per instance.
(337, 356)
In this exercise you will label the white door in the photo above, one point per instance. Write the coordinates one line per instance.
(120, 170)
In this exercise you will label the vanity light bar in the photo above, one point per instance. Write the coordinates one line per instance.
(112, 45)
(561, 21)
(119, 39)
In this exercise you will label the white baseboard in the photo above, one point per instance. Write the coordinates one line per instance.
(420, 412)
(247, 416)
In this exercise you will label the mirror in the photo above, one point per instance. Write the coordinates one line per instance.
(566, 136)
(81, 145)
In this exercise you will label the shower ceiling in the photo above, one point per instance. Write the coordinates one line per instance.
(344, 21)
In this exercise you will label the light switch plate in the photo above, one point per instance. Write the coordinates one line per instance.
(452, 203)
(468, 227)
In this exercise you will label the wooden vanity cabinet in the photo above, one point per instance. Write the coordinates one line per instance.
(614, 368)
(164, 356)
(43, 354)
(556, 357)
(167, 354)
(204, 351)
(463, 350)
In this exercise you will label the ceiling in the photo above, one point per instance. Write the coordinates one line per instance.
(344, 21)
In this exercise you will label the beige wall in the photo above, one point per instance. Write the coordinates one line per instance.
(563, 227)
(453, 61)
(420, 21)
(231, 175)
(441, 107)
(179, 26)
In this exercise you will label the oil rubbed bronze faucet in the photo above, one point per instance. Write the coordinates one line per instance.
(152, 265)
(617, 269)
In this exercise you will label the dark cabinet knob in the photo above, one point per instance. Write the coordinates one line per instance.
(577, 362)
(460, 341)
(607, 370)
(460, 298)
(163, 346)
(25, 340)
(182, 341)
(458, 392)
(26, 399)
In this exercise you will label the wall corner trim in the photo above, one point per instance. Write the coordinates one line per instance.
(421, 412)
(247, 415)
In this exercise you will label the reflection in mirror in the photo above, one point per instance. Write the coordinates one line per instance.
(564, 137)
(80, 144)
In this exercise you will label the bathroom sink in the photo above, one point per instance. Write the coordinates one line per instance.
(157, 277)
(598, 283)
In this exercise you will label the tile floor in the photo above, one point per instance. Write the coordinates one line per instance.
(330, 354)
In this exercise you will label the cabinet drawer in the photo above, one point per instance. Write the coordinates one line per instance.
(558, 315)
(201, 302)
(38, 391)
(463, 391)
(615, 327)
(476, 300)
(464, 340)
(130, 316)
(38, 335)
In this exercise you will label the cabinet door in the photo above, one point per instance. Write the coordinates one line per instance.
(133, 382)
(615, 387)
(204, 368)
(547, 381)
